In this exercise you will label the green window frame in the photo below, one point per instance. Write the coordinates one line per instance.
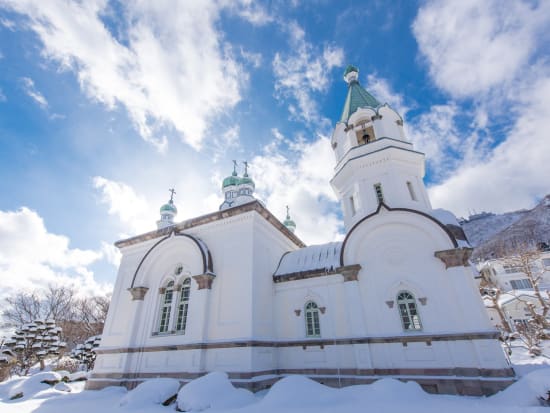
(183, 306)
(313, 323)
(408, 311)
(166, 307)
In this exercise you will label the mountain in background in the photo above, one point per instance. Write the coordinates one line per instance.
(494, 234)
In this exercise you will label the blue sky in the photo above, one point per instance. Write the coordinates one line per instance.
(105, 105)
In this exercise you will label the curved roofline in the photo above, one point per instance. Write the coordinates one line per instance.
(413, 211)
(281, 260)
(206, 257)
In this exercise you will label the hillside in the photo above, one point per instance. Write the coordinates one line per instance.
(494, 234)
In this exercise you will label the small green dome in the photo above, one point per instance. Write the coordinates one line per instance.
(169, 207)
(289, 223)
(246, 180)
(231, 180)
(350, 69)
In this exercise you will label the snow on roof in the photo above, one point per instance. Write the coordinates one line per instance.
(506, 298)
(444, 216)
(325, 257)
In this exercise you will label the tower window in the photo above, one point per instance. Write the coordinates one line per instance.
(379, 194)
(365, 135)
(313, 325)
(411, 191)
(353, 204)
(406, 305)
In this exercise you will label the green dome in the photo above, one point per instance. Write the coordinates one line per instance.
(289, 223)
(169, 207)
(231, 180)
(246, 180)
(349, 69)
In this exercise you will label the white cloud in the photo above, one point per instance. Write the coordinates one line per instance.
(8, 24)
(514, 174)
(304, 72)
(30, 89)
(472, 46)
(31, 257)
(131, 209)
(168, 66)
(490, 53)
(255, 59)
(249, 10)
(3, 97)
(111, 254)
(302, 182)
(381, 89)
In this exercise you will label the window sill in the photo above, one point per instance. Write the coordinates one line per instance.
(168, 333)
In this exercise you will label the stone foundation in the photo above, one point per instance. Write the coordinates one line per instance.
(436, 381)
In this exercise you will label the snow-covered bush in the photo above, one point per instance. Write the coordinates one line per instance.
(67, 364)
(35, 342)
(34, 384)
(154, 391)
(213, 390)
(85, 353)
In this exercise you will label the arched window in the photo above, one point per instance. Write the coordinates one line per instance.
(166, 307)
(313, 326)
(183, 306)
(408, 311)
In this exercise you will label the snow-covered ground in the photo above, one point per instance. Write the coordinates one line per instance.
(214, 393)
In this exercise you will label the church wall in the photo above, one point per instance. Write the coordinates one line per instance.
(117, 331)
(268, 248)
(229, 301)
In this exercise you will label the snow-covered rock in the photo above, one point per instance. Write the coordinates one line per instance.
(34, 384)
(62, 387)
(65, 375)
(213, 390)
(78, 376)
(154, 391)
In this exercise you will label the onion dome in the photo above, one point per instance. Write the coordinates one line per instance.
(247, 180)
(233, 179)
(288, 222)
(169, 207)
(357, 97)
(167, 212)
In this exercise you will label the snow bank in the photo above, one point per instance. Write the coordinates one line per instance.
(386, 390)
(154, 391)
(526, 391)
(299, 392)
(33, 384)
(213, 390)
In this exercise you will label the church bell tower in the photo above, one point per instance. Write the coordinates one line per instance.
(375, 162)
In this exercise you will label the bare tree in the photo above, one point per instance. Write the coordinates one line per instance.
(79, 318)
(526, 259)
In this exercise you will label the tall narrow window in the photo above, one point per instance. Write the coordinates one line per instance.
(352, 205)
(183, 306)
(411, 191)
(379, 194)
(313, 326)
(408, 311)
(166, 307)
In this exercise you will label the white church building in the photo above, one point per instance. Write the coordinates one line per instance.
(236, 290)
